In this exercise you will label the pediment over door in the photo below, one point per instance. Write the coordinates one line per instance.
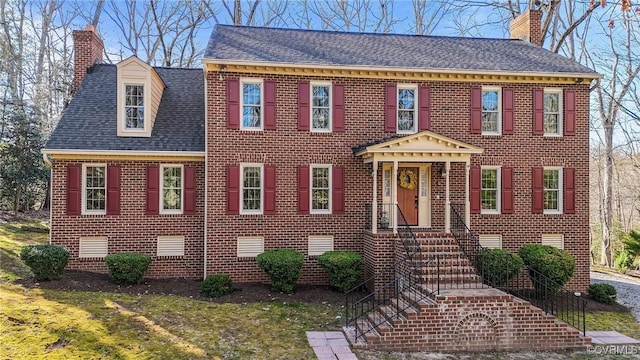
(422, 147)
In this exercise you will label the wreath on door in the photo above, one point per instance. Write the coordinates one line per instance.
(407, 179)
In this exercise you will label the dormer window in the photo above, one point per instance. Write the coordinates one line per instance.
(140, 90)
(134, 107)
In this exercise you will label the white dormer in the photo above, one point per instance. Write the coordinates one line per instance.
(140, 90)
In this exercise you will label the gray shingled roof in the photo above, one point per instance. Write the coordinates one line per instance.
(89, 122)
(253, 44)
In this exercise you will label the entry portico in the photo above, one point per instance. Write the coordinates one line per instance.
(406, 164)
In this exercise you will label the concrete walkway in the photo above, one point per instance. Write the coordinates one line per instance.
(330, 345)
(610, 338)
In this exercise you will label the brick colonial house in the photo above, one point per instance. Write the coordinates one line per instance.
(317, 141)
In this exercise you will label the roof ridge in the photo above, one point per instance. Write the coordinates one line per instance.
(348, 32)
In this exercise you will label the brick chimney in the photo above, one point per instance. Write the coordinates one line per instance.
(88, 48)
(527, 27)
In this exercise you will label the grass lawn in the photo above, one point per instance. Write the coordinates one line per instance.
(53, 324)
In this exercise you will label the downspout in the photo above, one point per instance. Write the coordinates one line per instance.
(49, 163)
(206, 171)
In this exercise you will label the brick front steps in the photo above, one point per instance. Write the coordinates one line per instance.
(468, 320)
(465, 315)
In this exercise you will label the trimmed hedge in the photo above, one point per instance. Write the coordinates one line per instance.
(216, 285)
(127, 268)
(498, 267)
(283, 266)
(47, 262)
(344, 268)
(604, 293)
(547, 261)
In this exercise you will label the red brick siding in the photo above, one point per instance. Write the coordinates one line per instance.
(88, 49)
(287, 148)
(132, 230)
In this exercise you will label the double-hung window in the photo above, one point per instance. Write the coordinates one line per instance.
(407, 109)
(552, 112)
(490, 190)
(552, 197)
(95, 188)
(320, 189)
(134, 107)
(171, 191)
(252, 186)
(252, 104)
(321, 107)
(491, 106)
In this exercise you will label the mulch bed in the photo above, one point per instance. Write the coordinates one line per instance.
(244, 293)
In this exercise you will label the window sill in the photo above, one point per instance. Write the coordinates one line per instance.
(552, 213)
(251, 129)
(95, 258)
(491, 214)
(95, 214)
(491, 135)
(552, 136)
(169, 257)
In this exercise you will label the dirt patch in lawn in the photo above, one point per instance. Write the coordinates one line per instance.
(244, 292)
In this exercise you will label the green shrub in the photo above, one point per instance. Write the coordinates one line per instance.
(547, 262)
(283, 266)
(127, 268)
(623, 261)
(603, 293)
(344, 268)
(216, 285)
(498, 267)
(45, 261)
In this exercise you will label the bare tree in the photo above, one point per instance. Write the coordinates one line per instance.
(621, 66)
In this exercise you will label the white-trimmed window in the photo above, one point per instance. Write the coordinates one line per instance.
(555, 240)
(93, 247)
(94, 188)
(491, 241)
(319, 244)
(320, 106)
(251, 192)
(251, 104)
(490, 190)
(552, 197)
(171, 189)
(134, 107)
(407, 109)
(320, 189)
(553, 112)
(170, 246)
(250, 246)
(491, 110)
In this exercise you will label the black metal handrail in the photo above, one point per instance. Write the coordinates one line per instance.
(536, 288)
(406, 281)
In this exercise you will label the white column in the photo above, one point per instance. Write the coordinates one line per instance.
(447, 202)
(394, 196)
(374, 202)
(467, 203)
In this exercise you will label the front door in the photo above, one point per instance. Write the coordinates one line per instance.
(408, 195)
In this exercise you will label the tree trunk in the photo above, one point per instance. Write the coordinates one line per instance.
(607, 208)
